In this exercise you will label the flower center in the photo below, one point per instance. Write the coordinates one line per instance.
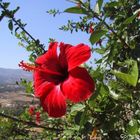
(32, 67)
(65, 75)
(52, 76)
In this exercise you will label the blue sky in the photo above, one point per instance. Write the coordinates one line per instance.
(40, 24)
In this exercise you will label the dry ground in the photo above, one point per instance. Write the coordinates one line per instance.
(15, 99)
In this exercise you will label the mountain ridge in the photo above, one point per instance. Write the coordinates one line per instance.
(11, 76)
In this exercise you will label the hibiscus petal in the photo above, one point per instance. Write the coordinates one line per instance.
(79, 85)
(44, 82)
(77, 55)
(54, 103)
(50, 60)
(39, 84)
(62, 55)
(39, 78)
(52, 52)
(44, 88)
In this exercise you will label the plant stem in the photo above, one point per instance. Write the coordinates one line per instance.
(89, 11)
(111, 29)
(21, 27)
(29, 123)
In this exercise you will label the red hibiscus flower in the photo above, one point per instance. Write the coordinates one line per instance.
(31, 110)
(58, 77)
(91, 29)
(37, 117)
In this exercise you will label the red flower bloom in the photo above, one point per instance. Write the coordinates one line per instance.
(31, 110)
(59, 77)
(37, 117)
(91, 29)
(138, 15)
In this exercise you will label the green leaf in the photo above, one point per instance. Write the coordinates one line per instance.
(130, 19)
(6, 4)
(77, 107)
(131, 77)
(113, 4)
(81, 118)
(99, 61)
(100, 2)
(98, 6)
(100, 51)
(77, 118)
(84, 118)
(76, 10)
(113, 51)
(10, 25)
(96, 36)
(68, 132)
(104, 91)
(132, 127)
(29, 87)
(97, 74)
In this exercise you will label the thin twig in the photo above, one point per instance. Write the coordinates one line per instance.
(109, 28)
(29, 123)
(21, 27)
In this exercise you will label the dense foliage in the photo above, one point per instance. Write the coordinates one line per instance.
(112, 113)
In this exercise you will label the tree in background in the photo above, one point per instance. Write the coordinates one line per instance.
(112, 112)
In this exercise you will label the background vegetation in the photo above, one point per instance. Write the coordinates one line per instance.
(112, 113)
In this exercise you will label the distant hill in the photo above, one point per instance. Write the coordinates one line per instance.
(10, 76)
